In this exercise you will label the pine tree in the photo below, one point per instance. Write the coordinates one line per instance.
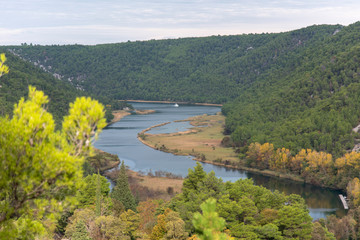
(80, 233)
(193, 178)
(121, 191)
(209, 225)
(98, 195)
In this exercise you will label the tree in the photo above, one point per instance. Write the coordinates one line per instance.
(193, 178)
(147, 211)
(3, 68)
(159, 229)
(98, 195)
(87, 194)
(121, 191)
(209, 225)
(41, 168)
(175, 226)
(131, 221)
(81, 232)
(294, 222)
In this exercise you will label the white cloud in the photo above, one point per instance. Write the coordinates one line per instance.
(101, 21)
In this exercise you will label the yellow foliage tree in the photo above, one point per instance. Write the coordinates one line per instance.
(261, 155)
(41, 167)
(318, 161)
(3, 68)
(281, 159)
(353, 191)
(296, 162)
(351, 160)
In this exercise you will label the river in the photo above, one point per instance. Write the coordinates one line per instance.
(121, 138)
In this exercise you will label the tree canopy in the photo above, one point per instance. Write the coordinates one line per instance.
(41, 167)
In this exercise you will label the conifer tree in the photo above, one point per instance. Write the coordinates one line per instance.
(209, 225)
(121, 191)
(193, 178)
(98, 195)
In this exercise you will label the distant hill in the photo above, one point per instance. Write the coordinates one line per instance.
(315, 105)
(209, 69)
(297, 89)
(22, 74)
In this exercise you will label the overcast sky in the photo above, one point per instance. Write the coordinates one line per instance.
(109, 21)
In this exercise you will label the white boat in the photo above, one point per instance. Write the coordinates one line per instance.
(176, 105)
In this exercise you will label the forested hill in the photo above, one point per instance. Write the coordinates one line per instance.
(209, 69)
(297, 89)
(316, 107)
(14, 86)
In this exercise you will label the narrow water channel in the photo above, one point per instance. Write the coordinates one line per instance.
(121, 138)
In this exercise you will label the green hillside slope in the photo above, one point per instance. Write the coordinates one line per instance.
(297, 89)
(317, 109)
(14, 86)
(210, 69)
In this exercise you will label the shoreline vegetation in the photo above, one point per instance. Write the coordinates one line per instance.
(119, 114)
(157, 185)
(201, 104)
(203, 142)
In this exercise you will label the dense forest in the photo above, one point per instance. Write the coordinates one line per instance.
(296, 89)
(14, 86)
(209, 69)
(318, 107)
(290, 99)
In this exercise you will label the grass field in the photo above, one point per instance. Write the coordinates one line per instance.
(202, 141)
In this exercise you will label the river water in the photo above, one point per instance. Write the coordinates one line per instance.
(121, 138)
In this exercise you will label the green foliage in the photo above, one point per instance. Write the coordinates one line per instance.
(85, 223)
(121, 191)
(41, 168)
(87, 194)
(175, 227)
(3, 68)
(207, 69)
(296, 90)
(313, 105)
(98, 195)
(294, 222)
(80, 232)
(249, 211)
(14, 86)
(132, 221)
(321, 233)
(86, 116)
(209, 225)
(193, 178)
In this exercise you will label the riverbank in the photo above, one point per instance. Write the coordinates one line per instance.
(203, 141)
(171, 102)
(119, 114)
(103, 161)
(153, 185)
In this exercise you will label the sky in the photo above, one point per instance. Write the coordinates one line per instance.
(90, 22)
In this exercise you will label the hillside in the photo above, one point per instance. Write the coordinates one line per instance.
(210, 69)
(22, 74)
(296, 89)
(317, 108)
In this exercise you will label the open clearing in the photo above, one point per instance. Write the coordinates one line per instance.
(202, 141)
